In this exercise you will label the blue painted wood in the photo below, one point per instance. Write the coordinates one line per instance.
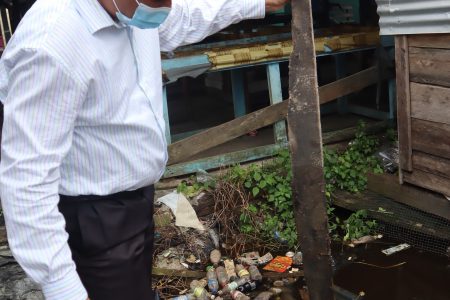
(276, 96)
(238, 88)
(166, 115)
(183, 62)
(219, 161)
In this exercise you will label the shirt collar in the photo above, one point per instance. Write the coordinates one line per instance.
(96, 17)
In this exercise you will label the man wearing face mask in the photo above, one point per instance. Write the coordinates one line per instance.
(83, 136)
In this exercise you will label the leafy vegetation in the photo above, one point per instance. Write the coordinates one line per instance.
(272, 216)
(192, 187)
(348, 170)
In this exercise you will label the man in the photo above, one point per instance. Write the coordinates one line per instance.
(83, 136)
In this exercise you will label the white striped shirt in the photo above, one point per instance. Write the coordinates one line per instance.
(83, 116)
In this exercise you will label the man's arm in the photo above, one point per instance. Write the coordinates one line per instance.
(192, 21)
(39, 114)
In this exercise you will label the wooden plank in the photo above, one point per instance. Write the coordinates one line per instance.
(430, 102)
(430, 66)
(276, 276)
(429, 181)
(305, 139)
(223, 160)
(348, 85)
(430, 137)
(218, 135)
(440, 41)
(424, 200)
(247, 155)
(403, 102)
(431, 164)
(349, 133)
(371, 201)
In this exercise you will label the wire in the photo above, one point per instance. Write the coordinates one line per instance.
(380, 267)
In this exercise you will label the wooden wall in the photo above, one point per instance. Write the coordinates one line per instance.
(423, 92)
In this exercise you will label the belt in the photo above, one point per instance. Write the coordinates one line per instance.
(146, 192)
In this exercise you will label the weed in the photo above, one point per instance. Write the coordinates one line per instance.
(357, 226)
(272, 216)
(192, 187)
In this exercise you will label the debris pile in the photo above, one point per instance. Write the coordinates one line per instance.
(240, 278)
(203, 255)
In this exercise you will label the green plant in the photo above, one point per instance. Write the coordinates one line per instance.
(348, 170)
(192, 187)
(271, 214)
(272, 184)
(357, 226)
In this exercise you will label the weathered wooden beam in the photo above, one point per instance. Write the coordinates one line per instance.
(349, 133)
(430, 66)
(305, 138)
(218, 135)
(430, 137)
(388, 186)
(403, 101)
(430, 181)
(274, 276)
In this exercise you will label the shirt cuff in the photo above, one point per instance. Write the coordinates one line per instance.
(253, 9)
(67, 288)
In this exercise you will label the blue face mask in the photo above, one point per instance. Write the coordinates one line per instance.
(145, 17)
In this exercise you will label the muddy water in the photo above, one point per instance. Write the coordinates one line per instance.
(423, 277)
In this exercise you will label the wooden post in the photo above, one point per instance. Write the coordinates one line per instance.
(305, 138)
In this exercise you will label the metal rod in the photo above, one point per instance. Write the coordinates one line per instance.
(305, 135)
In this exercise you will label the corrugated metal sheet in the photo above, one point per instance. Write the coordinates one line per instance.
(414, 16)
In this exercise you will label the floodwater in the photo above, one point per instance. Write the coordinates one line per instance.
(424, 276)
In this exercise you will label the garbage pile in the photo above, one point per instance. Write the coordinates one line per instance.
(194, 261)
(241, 278)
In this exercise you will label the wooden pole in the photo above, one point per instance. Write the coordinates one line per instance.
(305, 138)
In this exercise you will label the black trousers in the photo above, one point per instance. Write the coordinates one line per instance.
(111, 238)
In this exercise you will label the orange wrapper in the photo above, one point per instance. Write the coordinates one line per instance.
(279, 264)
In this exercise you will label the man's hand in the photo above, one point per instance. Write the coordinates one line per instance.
(274, 5)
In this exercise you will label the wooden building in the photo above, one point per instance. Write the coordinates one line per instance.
(422, 33)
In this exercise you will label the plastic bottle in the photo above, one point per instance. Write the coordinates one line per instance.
(184, 297)
(232, 286)
(222, 276)
(255, 275)
(247, 287)
(242, 272)
(213, 284)
(230, 268)
(297, 260)
(236, 295)
(215, 257)
(199, 292)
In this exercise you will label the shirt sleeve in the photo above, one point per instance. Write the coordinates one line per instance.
(191, 21)
(40, 108)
